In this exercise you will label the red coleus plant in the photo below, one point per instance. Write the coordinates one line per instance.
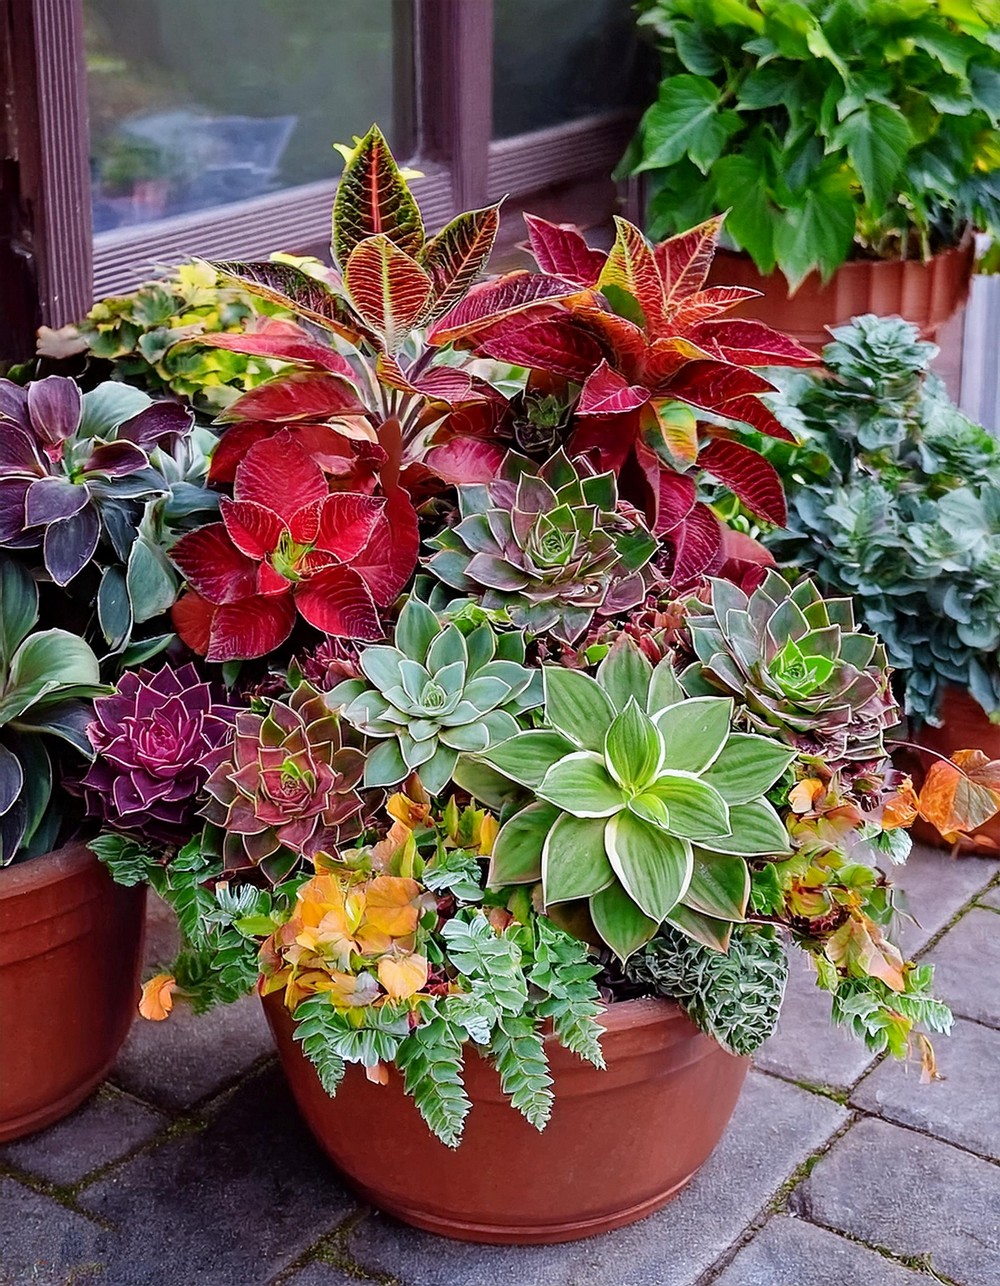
(286, 546)
(665, 384)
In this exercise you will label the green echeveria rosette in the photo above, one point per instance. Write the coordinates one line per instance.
(435, 694)
(796, 666)
(548, 544)
(647, 803)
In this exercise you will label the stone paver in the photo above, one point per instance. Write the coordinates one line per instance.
(104, 1129)
(178, 1062)
(775, 1127)
(967, 973)
(231, 1205)
(806, 1046)
(42, 1242)
(963, 1107)
(323, 1275)
(936, 886)
(791, 1252)
(911, 1195)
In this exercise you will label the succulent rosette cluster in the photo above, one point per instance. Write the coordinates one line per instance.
(151, 737)
(550, 545)
(797, 665)
(285, 785)
(73, 464)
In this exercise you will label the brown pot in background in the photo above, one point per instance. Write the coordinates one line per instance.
(930, 295)
(70, 955)
(619, 1145)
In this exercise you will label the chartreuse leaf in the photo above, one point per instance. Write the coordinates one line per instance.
(757, 831)
(694, 732)
(633, 749)
(581, 784)
(578, 706)
(625, 673)
(619, 921)
(373, 198)
(720, 885)
(574, 861)
(517, 850)
(527, 757)
(652, 866)
(748, 767)
(696, 809)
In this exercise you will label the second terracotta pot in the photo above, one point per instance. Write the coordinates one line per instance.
(619, 1145)
(70, 955)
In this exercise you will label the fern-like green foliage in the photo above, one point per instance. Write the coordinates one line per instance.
(518, 1052)
(316, 1031)
(735, 997)
(883, 1018)
(478, 952)
(565, 972)
(431, 1061)
(129, 861)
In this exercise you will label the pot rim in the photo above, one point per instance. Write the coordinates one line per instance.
(46, 869)
(961, 247)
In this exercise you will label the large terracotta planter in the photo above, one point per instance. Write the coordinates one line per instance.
(928, 294)
(965, 727)
(619, 1145)
(70, 955)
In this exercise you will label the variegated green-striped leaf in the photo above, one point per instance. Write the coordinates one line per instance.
(626, 673)
(654, 867)
(517, 850)
(574, 861)
(711, 933)
(578, 706)
(527, 757)
(619, 921)
(757, 831)
(696, 809)
(720, 885)
(694, 732)
(580, 784)
(633, 748)
(748, 767)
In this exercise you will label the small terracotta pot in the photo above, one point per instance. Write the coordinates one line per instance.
(70, 955)
(927, 294)
(965, 727)
(619, 1145)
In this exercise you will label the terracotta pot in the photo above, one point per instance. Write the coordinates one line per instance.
(928, 294)
(965, 727)
(619, 1145)
(70, 955)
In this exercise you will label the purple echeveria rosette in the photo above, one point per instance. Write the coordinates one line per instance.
(152, 735)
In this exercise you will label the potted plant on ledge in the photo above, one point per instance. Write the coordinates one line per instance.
(548, 798)
(855, 146)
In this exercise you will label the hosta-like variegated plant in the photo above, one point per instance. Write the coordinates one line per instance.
(435, 694)
(647, 802)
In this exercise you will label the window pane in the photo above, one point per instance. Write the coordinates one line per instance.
(563, 59)
(196, 103)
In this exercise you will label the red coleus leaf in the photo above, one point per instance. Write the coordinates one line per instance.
(554, 345)
(751, 343)
(684, 260)
(281, 283)
(282, 340)
(465, 460)
(388, 287)
(621, 339)
(278, 474)
(664, 359)
(233, 446)
(711, 385)
(751, 410)
(489, 302)
(192, 618)
(459, 253)
(299, 395)
(211, 564)
(373, 199)
(445, 384)
(608, 393)
(751, 478)
(338, 602)
(560, 248)
(678, 496)
(254, 529)
(387, 561)
(346, 522)
(252, 627)
(704, 304)
(630, 266)
(696, 542)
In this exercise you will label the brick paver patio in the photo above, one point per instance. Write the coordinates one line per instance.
(190, 1167)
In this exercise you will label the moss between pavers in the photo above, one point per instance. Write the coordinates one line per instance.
(331, 1249)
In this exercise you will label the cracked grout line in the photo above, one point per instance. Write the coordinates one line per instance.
(331, 1250)
(916, 1263)
(62, 1194)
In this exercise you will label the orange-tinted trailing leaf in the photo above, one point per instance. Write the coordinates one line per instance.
(402, 974)
(707, 303)
(378, 1074)
(560, 248)
(805, 793)
(388, 288)
(491, 301)
(283, 341)
(284, 284)
(157, 997)
(391, 905)
(858, 947)
(372, 199)
(554, 344)
(961, 793)
(630, 267)
(459, 253)
(678, 427)
(751, 478)
(608, 393)
(901, 808)
(751, 343)
(684, 260)
(299, 395)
